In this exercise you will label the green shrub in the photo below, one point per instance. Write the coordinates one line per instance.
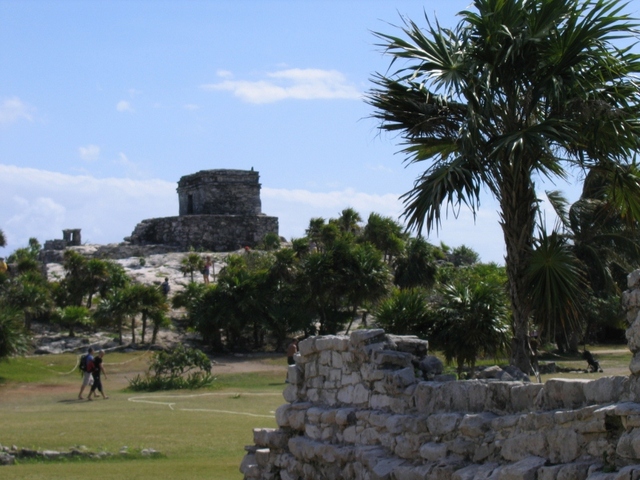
(180, 368)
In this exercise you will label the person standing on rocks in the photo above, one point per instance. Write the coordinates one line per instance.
(97, 382)
(207, 270)
(165, 287)
(86, 373)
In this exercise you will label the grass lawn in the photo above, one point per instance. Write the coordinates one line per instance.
(201, 434)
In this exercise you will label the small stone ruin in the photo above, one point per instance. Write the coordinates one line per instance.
(219, 211)
(359, 408)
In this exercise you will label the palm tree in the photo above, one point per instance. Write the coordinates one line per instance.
(151, 304)
(472, 320)
(416, 266)
(516, 91)
(191, 263)
(385, 233)
(348, 221)
(13, 336)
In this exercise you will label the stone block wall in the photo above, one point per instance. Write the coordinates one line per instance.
(358, 409)
(217, 233)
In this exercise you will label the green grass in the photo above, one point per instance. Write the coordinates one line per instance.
(200, 434)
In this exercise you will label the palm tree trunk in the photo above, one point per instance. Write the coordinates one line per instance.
(144, 326)
(518, 210)
(133, 329)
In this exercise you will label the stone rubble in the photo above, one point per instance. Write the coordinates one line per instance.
(358, 408)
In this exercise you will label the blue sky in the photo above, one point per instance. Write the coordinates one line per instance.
(105, 105)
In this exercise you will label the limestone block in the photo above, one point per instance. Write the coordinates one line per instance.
(290, 393)
(368, 436)
(345, 416)
(523, 396)
(564, 393)
(324, 358)
(329, 397)
(433, 452)
(629, 445)
(525, 469)
(296, 419)
(314, 414)
(345, 395)
(632, 472)
(347, 358)
(310, 370)
(370, 373)
(462, 447)
(350, 434)
(248, 461)
(314, 432)
(316, 382)
(352, 378)
(475, 425)
(633, 280)
(565, 445)
(379, 402)
(537, 421)
(360, 338)
(634, 366)
(260, 436)
(443, 423)
(605, 389)
(521, 446)
(337, 343)
(398, 380)
(282, 415)
(407, 446)
(499, 396)
(478, 394)
(307, 346)
(385, 467)
(633, 336)
(336, 360)
(372, 349)
(412, 472)
(488, 449)
(391, 358)
(328, 416)
(361, 395)
(410, 344)
(313, 395)
(475, 472)
(295, 374)
(262, 456)
(425, 396)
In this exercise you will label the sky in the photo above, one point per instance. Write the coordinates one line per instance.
(105, 105)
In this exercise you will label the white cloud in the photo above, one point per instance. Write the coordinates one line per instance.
(124, 106)
(39, 203)
(296, 83)
(90, 153)
(13, 109)
(191, 106)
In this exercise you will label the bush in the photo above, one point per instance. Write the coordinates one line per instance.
(180, 368)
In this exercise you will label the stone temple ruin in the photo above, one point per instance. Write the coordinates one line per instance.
(220, 211)
(358, 408)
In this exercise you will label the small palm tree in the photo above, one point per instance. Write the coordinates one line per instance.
(190, 264)
(13, 336)
(473, 320)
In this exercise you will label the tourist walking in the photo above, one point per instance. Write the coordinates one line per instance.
(86, 365)
(165, 287)
(98, 368)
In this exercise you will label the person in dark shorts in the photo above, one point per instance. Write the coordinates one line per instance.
(86, 375)
(97, 382)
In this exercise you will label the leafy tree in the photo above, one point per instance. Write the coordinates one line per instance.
(28, 293)
(271, 241)
(348, 221)
(416, 266)
(151, 304)
(190, 264)
(115, 308)
(472, 320)
(3, 239)
(406, 312)
(463, 255)
(517, 90)
(71, 316)
(13, 336)
(314, 231)
(385, 233)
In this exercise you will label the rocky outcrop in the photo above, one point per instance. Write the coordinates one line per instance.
(358, 409)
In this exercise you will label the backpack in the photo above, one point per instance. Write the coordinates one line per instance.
(85, 366)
